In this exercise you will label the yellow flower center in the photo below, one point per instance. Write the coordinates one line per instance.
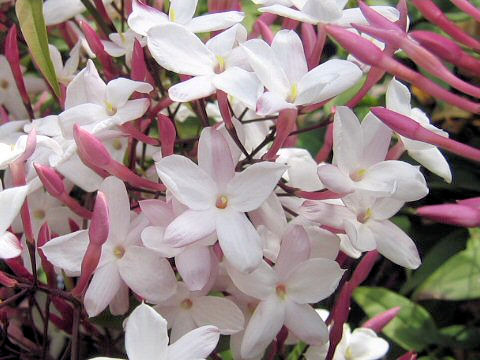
(358, 175)
(117, 144)
(220, 67)
(186, 304)
(293, 93)
(4, 84)
(119, 251)
(222, 202)
(363, 218)
(281, 291)
(111, 110)
(172, 14)
(39, 214)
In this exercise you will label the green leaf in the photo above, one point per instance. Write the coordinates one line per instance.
(32, 24)
(458, 278)
(412, 329)
(297, 351)
(441, 252)
(462, 336)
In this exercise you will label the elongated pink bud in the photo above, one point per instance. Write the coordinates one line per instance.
(376, 19)
(446, 49)
(473, 202)
(30, 147)
(103, 12)
(13, 56)
(378, 322)
(44, 236)
(50, 179)
(411, 129)
(326, 148)
(318, 195)
(265, 31)
(314, 58)
(364, 267)
(411, 355)
(90, 148)
(435, 15)
(285, 124)
(290, 24)
(309, 37)
(468, 8)
(267, 19)
(139, 67)
(453, 214)
(97, 47)
(7, 281)
(368, 53)
(131, 130)
(100, 224)
(89, 265)
(168, 134)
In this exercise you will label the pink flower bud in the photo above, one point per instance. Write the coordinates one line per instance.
(7, 281)
(377, 19)
(453, 214)
(168, 134)
(139, 67)
(411, 129)
(90, 148)
(364, 267)
(30, 147)
(468, 8)
(473, 202)
(408, 356)
(265, 31)
(285, 124)
(436, 16)
(44, 236)
(89, 265)
(378, 322)
(50, 179)
(100, 224)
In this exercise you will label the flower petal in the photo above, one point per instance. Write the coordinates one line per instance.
(194, 266)
(434, 161)
(106, 282)
(306, 324)
(119, 90)
(197, 344)
(195, 88)
(144, 17)
(182, 11)
(271, 103)
(259, 284)
(294, 250)
(347, 140)
(288, 49)
(10, 247)
(218, 311)
(11, 200)
(288, 12)
(377, 137)
(334, 179)
(146, 334)
(189, 227)
(215, 22)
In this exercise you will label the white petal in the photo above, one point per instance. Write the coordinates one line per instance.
(326, 214)
(264, 325)
(313, 280)
(147, 274)
(182, 324)
(334, 179)
(289, 13)
(113, 49)
(132, 110)
(195, 88)
(81, 115)
(434, 161)
(244, 86)
(376, 137)
(250, 188)
(347, 140)
(355, 15)
(398, 98)
(197, 344)
(294, 250)
(144, 17)
(153, 238)
(271, 103)
(365, 344)
(395, 245)
(194, 265)
(325, 11)
(239, 240)
(57, 11)
(10, 247)
(263, 61)
(182, 11)
(119, 90)
(218, 311)
(158, 212)
(288, 49)
(104, 286)
(223, 43)
(305, 323)
(259, 284)
(67, 251)
(190, 185)
(86, 87)
(146, 334)
(360, 235)
(189, 227)
(11, 201)
(215, 22)
(177, 49)
(120, 302)
(118, 208)
(324, 243)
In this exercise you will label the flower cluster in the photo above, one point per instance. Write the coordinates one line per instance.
(167, 171)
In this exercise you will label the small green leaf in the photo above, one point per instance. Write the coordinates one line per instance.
(462, 336)
(32, 24)
(458, 278)
(413, 328)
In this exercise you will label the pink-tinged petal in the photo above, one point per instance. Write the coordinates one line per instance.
(360, 235)
(158, 212)
(57, 11)
(325, 11)
(118, 208)
(306, 324)
(197, 344)
(195, 88)
(434, 161)
(334, 179)
(119, 90)
(177, 49)
(354, 15)
(259, 284)
(182, 11)
(10, 247)
(249, 189)
(189, 227)
(326, 214)
(288, 49)
(147, 273)
(83, 114)
(263, 61)
(11, 200)
(146, 334)
(264, 325)
(215, 22)
(289, 13)
(404, 181)
(67, 251)
(239, 240)
(395, 245)
(113, 49)
(106, 282)
(294, 250)
(182, 324)
(152, 238)
(347, 140)
(120, 302)
(243, 85)
(376, 137)
(194, 266)
(313, 280)
(86, 87)
(324, 244)
(214, 157)
(189, 183)
(144, 17)
(271, 103)
(218, 311)
(385, 208)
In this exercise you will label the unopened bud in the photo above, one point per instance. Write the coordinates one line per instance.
(50, 179)
(90, 148)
